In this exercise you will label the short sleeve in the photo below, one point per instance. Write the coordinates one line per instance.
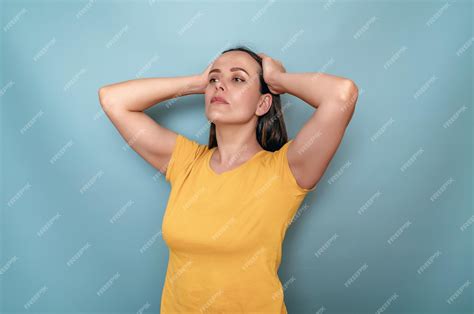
(283, 169)
(184, 154)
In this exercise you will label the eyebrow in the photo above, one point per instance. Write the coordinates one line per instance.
(232, 70)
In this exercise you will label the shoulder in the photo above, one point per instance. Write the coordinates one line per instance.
(185, 152)
(186, 144)
(283, 168)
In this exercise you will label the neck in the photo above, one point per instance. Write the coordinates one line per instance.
(236, 143)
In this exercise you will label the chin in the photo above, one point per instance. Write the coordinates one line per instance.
(217, 112)
(215, 118)
(220, 118)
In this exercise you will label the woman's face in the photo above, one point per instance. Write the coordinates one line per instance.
(234, 77)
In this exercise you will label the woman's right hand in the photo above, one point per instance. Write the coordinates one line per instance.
(203, 79)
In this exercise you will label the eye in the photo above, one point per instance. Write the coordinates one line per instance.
(238, 78)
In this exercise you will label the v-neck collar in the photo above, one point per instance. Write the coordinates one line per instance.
(225, 173)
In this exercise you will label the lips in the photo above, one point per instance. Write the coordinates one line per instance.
(218, 99)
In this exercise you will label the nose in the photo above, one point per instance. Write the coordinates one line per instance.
(218, 85)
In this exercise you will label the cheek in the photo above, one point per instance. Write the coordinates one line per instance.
(246, 105)
(244, 94)
(207, 95)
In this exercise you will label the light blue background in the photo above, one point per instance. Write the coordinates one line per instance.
(91, 44)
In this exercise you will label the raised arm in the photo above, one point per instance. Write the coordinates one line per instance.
(125, 103)
(316, 143)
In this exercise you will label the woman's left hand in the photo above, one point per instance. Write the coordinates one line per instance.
(272, 69)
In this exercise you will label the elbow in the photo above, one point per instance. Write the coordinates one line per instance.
(104, 98)
(349, 93)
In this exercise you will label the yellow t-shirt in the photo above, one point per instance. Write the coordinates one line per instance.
(225, 231)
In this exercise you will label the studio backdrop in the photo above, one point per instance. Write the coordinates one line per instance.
(389, 227)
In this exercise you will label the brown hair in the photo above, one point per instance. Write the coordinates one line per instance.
(271, 129)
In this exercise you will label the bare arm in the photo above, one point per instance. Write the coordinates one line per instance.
(316, 143)
(141, 94)
(125, 102)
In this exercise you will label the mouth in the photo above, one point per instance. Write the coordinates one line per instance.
(217, 99)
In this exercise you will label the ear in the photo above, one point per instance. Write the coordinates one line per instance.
(264, 104)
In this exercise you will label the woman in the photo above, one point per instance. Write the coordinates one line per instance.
(231, 200)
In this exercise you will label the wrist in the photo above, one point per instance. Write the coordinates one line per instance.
(194, 85)
(277, 81)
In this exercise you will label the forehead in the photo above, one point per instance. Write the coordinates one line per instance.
(239, 59)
